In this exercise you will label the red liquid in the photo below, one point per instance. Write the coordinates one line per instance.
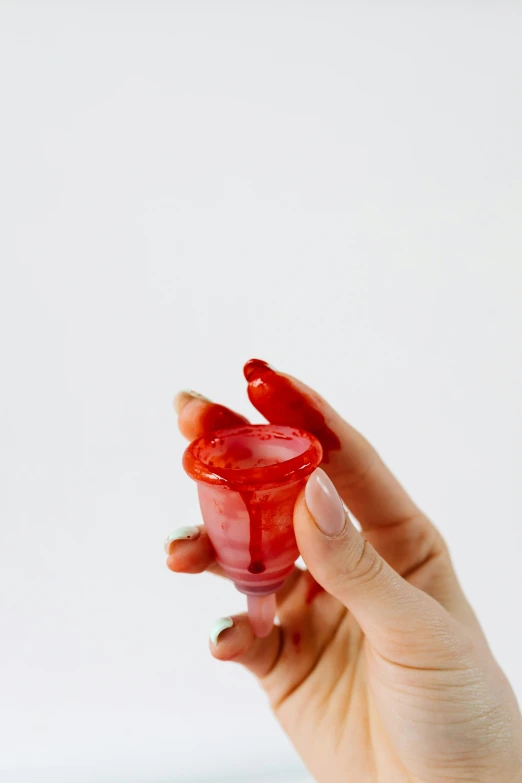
(217, 417)
(281, 402)
(256, 533)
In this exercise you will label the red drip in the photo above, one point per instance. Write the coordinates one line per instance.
(281, 401)
(256, 533)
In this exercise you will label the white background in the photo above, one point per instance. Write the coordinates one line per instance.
(334, 187)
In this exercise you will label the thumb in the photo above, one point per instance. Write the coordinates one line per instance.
(395, 616)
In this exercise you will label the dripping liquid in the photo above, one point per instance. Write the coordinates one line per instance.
(256, 533)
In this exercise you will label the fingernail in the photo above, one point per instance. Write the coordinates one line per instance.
(182, 534)
(254, 368)
(185, 396)
(324, 504)
(219, 626)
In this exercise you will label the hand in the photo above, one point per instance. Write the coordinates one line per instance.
(378, 670)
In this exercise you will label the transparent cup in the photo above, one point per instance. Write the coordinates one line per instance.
(248, 480)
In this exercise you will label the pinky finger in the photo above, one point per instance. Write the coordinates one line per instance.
(233, 639)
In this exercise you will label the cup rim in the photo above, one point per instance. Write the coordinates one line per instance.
(251, 479)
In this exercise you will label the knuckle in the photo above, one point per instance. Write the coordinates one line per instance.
(366, 565)
(436, 541)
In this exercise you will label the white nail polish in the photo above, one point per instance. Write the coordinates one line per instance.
(219, 626)
(183, 534)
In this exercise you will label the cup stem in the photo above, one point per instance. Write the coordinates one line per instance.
(261, 613)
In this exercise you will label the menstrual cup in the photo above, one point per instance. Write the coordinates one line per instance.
(248, 480)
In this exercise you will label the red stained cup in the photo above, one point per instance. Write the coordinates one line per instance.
(248, 480)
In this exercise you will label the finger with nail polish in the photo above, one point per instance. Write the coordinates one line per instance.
(233, 639)
(186, 533)
(190, 551)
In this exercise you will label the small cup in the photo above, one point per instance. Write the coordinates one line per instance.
(248, 480)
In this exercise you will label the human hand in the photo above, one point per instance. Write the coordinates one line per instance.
(379, 670)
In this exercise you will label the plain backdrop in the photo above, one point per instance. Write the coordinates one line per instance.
(333, 187)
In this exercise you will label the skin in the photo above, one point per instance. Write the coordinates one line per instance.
(386, 674)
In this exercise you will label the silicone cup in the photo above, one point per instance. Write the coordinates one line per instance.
(248, 481)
